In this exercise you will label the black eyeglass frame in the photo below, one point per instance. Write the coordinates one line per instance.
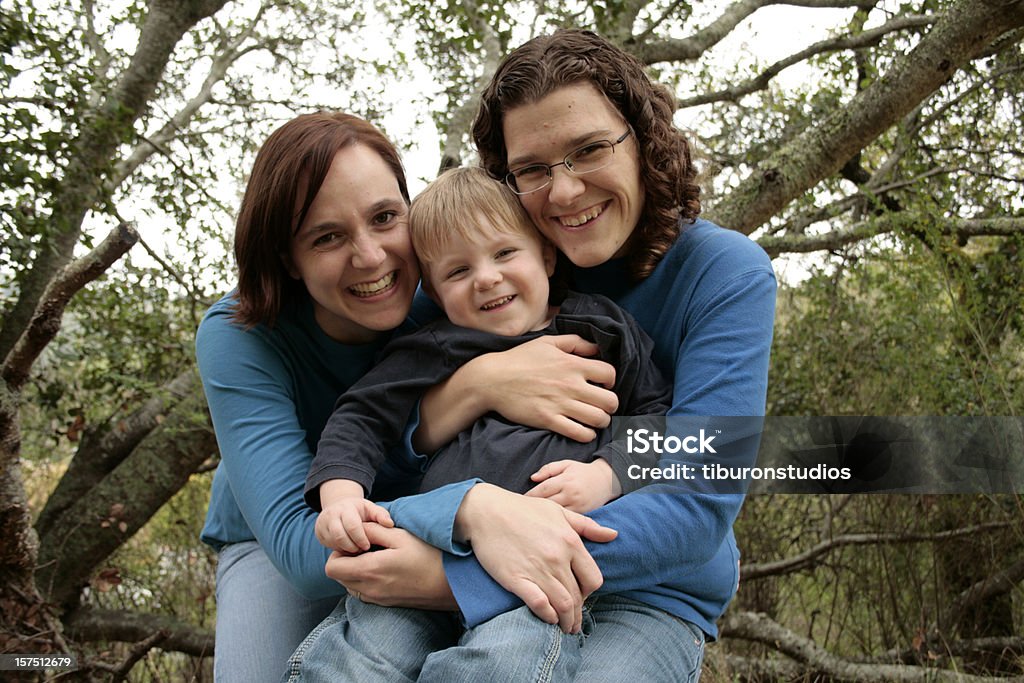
(510, 179)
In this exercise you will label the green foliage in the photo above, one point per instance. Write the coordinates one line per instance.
(118, 348)
(164, 570)
(855, 340)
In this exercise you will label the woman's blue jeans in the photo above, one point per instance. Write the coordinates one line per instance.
(260, 617)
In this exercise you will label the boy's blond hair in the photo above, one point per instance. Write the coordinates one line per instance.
(451, 208)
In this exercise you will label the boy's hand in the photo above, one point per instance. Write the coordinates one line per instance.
(340, 525)
(577, 486)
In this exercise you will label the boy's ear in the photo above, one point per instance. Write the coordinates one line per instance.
(550, 255)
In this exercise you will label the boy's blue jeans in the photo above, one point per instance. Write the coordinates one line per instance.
(621, 640)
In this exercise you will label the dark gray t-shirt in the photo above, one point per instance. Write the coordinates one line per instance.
(370, 418)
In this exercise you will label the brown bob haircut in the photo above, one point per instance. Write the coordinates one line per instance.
(569, 57)
(296, 156)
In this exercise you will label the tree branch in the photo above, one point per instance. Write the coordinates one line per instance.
(46, 322)
(689, 49)
(865, 39)
(1000, 583)
(870, 194)
(119, 672)
(92, 39)
(961, 228)
(1012, 646)
(131, 494)
(462, 118)
(818, 662)
(103, 129)
(99, 454)
(652, 27)
(811, 556)
(963, 32)
(153, 143)
(88, 624)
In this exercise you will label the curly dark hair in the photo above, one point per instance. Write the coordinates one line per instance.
(571, 56)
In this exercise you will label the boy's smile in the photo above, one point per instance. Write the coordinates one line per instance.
(497, 283)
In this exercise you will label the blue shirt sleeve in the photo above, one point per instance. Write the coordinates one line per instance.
(264, 454)
(431, 516)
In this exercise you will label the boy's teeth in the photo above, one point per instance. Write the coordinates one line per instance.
(580, 218)
(495, 304)
(371, 288)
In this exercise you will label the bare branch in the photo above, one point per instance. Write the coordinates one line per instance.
(92, 624)
(865, 39)
(46, 322)
(1000, 583)
(962, 228)
(812, 556)
(691, 48)
(119, 672)
(762, 629)
(958, 648)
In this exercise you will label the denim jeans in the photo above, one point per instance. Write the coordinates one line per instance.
(622, 640)
(260, 617)
(371, 644)
(631, 641)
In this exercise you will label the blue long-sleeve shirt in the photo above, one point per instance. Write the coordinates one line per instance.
(270, 392)
(709, 306)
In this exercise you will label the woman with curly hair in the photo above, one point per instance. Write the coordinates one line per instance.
(575, 127)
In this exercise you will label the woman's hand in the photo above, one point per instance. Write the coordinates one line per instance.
(533, 548)
(405, 572)
(547, 383)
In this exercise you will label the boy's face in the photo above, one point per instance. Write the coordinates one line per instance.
(497, 284)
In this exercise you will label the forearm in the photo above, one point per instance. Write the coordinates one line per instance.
(452, 406)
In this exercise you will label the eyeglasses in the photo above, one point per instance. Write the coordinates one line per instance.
(589, 158)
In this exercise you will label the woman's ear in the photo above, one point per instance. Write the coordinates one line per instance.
(289, 266)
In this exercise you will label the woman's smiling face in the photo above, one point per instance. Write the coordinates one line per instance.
(353, 252)
(588, 217)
